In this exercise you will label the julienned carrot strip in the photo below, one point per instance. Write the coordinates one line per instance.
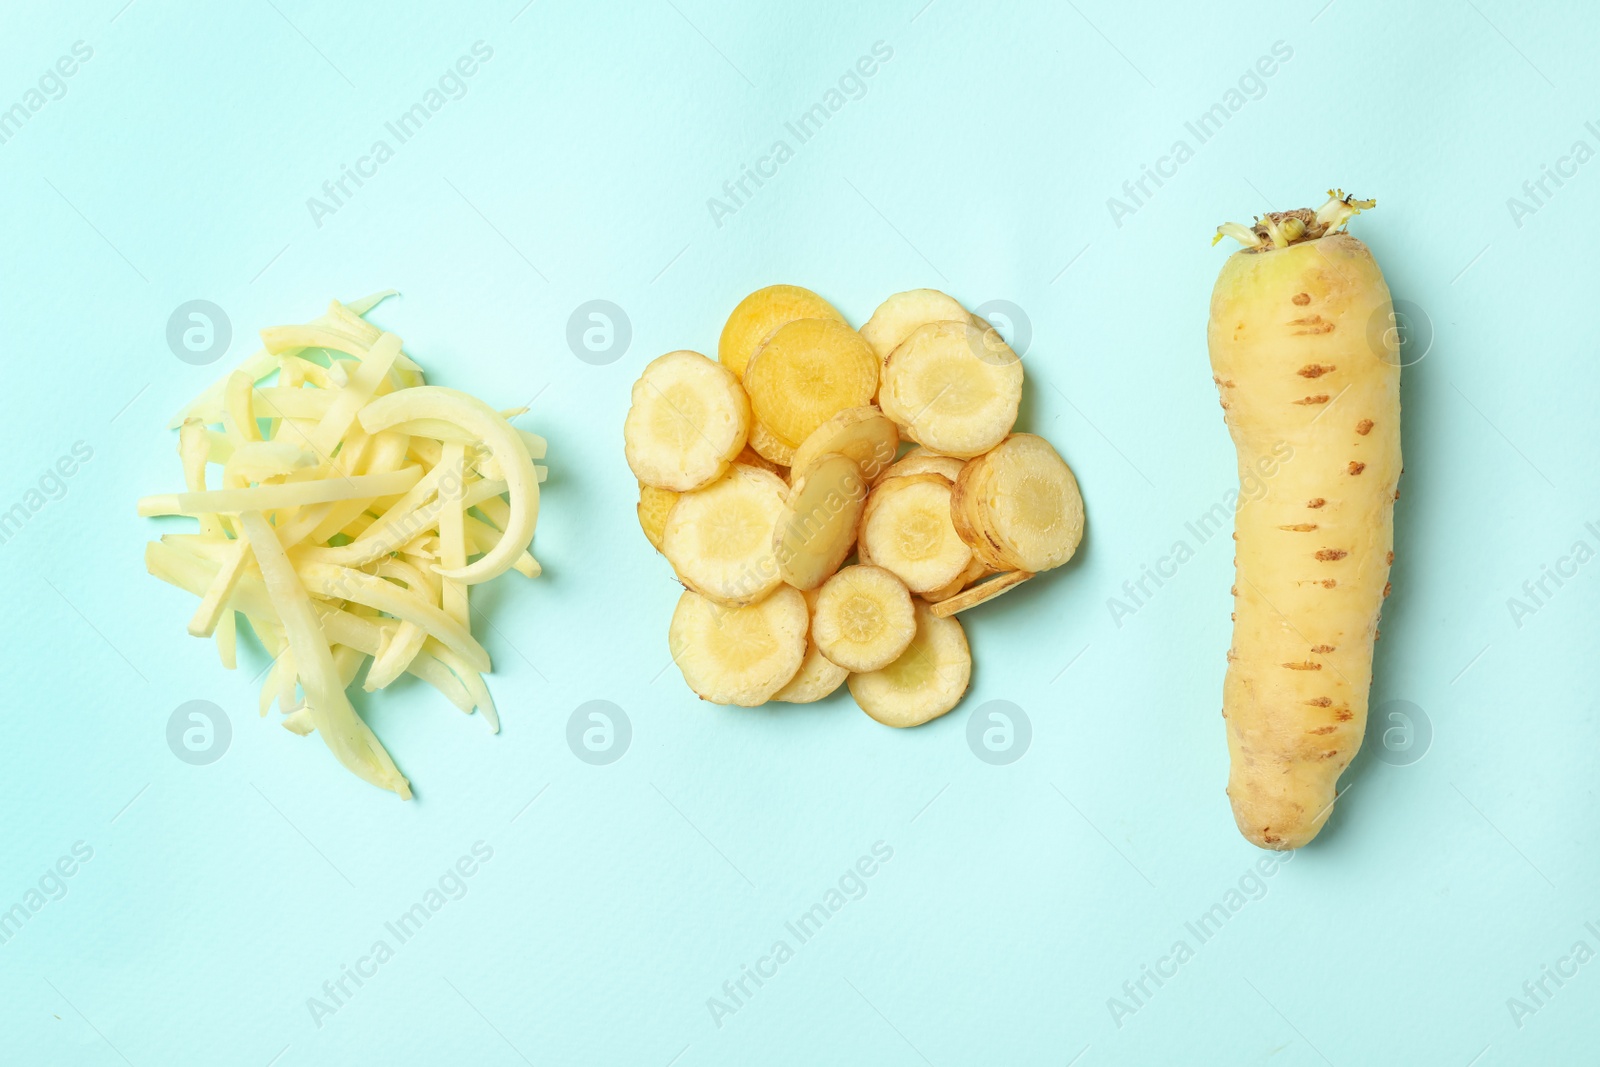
(351, 740)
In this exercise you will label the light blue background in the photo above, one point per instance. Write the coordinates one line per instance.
(1019, 898)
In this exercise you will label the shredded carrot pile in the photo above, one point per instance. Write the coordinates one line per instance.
(352, 510)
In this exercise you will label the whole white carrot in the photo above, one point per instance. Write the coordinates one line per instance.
(1297, 364)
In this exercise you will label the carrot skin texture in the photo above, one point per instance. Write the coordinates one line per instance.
(1310, 390)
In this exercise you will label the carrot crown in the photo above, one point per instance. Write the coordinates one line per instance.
(1280, 229)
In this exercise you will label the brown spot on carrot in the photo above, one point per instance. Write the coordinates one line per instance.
(1300, 527)
(1234, 615)
(1357, 468)
(1397, 494)
(1320, 398)
(1301, 299)
(1322, 649)
(1389, 559)
(1387, 588)
(1232, 655)
(1271, 839)
(1306, 666)
(1329, 583)
(1315, 502)
(1315, 370)
(1364, 427)
(1328, 555)
(1320, 702)
(1234, 590)
(1313, 325)
(1323, 730)
(1344, 715)
(1332, 752)
(1377, 635)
